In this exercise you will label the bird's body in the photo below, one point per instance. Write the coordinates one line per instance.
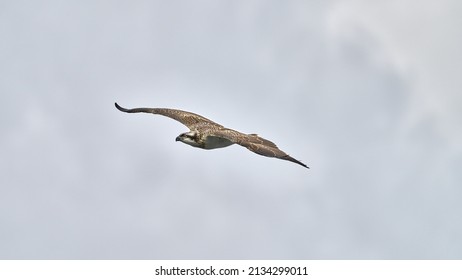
(206, 134)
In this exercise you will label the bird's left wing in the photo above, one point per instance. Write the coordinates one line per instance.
(189, 119)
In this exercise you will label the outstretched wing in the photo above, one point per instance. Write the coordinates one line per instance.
(189, 119)
(256, 144)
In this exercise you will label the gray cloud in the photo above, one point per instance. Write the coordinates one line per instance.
(332, 84)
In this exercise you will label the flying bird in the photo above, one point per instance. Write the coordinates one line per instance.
(206, 134)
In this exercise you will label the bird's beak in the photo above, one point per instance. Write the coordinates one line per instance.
(178, 138)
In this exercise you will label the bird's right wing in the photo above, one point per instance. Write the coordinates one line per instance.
(256, 144)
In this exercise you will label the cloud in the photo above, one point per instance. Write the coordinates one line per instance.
(361, 92)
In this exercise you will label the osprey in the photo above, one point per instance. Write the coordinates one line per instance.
(206, 134)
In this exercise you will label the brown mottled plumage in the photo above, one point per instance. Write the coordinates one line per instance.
(207, 134)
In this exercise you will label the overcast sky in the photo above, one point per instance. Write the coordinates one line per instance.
(366, 93)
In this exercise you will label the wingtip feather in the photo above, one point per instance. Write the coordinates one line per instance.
(120, 108)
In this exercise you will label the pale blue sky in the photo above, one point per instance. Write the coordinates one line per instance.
(367, 93)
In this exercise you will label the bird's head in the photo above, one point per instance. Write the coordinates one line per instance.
(191, 138)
